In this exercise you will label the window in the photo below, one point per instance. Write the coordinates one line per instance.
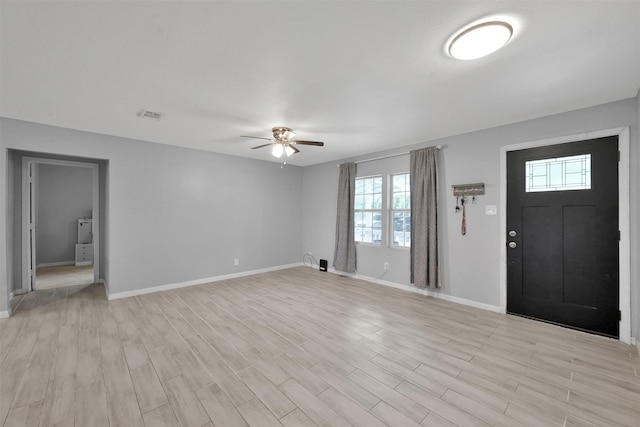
(561, 174)
(368, 210)
(401, 210)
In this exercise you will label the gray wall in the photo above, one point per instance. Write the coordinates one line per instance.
(471, 264)
(64, 194)
(173, 214)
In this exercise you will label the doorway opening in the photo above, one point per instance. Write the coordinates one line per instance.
(60, 223)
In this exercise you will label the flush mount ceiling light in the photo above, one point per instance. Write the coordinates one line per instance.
(480, 40)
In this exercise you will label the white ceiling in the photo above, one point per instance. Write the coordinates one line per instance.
(360, 76)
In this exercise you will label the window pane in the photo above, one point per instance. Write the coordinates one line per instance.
(402, 228)
(368, 186)
(398, 221)
(377, 185)
(398, 201)
(368, 201)
(560, 174)
(400, 215)
(377, 202)
(366, 219)
(368, 205)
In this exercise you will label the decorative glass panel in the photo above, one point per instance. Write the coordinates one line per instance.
(559, 174)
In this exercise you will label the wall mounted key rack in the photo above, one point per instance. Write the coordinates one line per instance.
(461, 192)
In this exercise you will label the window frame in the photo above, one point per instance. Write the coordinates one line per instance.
(391, 210)
(373, 212)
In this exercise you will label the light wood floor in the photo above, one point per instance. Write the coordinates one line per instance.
(63, 276)
(300, 348)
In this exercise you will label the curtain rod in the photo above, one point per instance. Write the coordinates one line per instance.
(438, 147)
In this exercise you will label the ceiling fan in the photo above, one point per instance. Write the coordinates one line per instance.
(283, 143)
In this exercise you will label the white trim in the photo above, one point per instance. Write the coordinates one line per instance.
(624, 216)
(55, 264)
(95, 167)
(26, 245)
(4, 314)
(170, 286)
(427, 292)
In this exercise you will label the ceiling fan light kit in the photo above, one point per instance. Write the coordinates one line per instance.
(277, 150)
(283, 143)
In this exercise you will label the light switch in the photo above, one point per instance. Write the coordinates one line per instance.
(491, 210)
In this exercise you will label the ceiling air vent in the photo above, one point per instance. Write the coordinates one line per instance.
(153, 115)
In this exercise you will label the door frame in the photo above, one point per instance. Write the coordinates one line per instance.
(28, 204)
(624, 218)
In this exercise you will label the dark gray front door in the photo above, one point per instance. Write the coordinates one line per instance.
(562, 234)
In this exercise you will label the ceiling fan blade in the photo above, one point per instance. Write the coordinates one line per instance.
(255, 137)
(264, 145)
(295, 150)
(316, 143)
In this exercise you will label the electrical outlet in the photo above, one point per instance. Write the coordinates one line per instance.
(386, 265)
(236, 262)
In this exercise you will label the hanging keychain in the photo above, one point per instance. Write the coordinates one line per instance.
(457, 204)
(463, 229)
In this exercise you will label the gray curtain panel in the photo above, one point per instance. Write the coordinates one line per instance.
(425, 263)
(344, 254)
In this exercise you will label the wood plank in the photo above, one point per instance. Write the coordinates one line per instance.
(314, 408)
(91, 405)
(160, 417)
(184, 402)
(409, 407)
(149, 391)
(267, 392)
(220, 408)
(257, 415)
(124, 412)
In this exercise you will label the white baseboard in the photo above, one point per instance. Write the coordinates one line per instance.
(55, 264)
(635, 342)
(4, 314)
(160, 288)
(420, 291)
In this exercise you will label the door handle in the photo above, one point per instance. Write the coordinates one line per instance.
(513, 245)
